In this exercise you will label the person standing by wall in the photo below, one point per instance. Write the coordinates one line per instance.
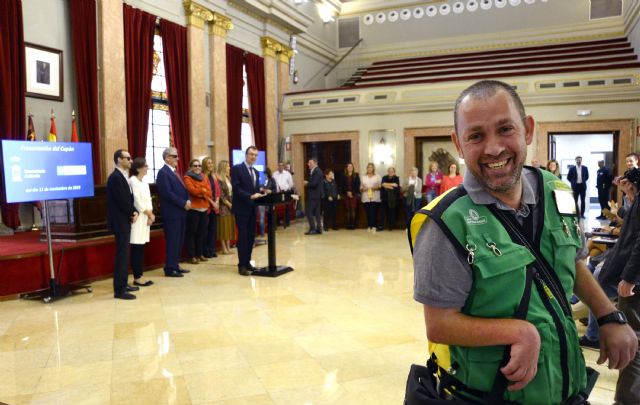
(210, 241)
(226, 231)
(452, 179)
(389, 195)
(432, 182)
(141, 229)
(121, 213)
(350, 187)
(314, 197)
(284, 181)
(412, 193)
(199, 194)
(370, 188)
(330, 201)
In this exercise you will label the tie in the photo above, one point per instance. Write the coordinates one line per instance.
(180, 178)
(253, 176)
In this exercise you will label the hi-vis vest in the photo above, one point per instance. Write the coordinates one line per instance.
(499, 273)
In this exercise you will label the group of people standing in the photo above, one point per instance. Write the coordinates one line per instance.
(198, 209)
(380, 196)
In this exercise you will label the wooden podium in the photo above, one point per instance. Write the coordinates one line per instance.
(270, 201)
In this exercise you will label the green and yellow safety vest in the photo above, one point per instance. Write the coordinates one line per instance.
(499, 266)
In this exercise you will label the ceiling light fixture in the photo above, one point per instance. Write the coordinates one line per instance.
(472, 5)
(418, 13)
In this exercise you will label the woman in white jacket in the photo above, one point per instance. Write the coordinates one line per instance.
(141, 229)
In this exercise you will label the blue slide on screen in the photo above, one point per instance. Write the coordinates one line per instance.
(35, 171)
(260, 165)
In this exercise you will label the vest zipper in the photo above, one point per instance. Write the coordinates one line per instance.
(544, 291)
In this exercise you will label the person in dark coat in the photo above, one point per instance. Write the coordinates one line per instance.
(315, 192)
(390, 195)
(350, 189)
(603, 184)
(174, 204)
(330, 201)
(245, 182)
(578, 176)
(120, 215)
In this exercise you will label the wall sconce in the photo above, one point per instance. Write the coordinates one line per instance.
(382, 153)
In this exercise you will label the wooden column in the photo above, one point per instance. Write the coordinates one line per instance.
(218, 29)
(273, 52)
(113, 112)
(196, 18)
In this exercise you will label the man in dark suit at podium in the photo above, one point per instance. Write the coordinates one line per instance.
(120, 215)
(174, 204)
(246, 188)
(578, 176)
(315, 192)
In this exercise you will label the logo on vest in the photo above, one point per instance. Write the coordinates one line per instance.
(474, 218)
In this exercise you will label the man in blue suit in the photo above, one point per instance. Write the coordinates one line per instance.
(315, 193)
(578, 176)
(174, 204)
(246, 188)
(120, 215)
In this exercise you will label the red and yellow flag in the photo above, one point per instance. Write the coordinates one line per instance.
(31, 130)
(74, 130)
(53, 132)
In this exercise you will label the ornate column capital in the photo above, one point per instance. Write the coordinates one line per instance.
(197, 15)
(220, 25)
(273, 48)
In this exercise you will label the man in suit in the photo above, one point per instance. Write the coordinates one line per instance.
(315, 192)
(578, 176)
(120, 215)
(174, 204)
(246, 188)
(603, 184)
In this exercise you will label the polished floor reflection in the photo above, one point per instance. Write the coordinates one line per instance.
(341, 329)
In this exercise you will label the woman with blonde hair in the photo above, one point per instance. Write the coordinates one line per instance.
(226, 221)
(208, 170)
(554, 168)
(370, 185)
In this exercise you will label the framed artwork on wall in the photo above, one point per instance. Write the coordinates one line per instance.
(44, 72)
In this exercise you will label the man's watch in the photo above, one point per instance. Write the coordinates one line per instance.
(614, 317)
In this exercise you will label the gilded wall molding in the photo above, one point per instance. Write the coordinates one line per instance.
(197, 15)
(220, 25)
(273, 48)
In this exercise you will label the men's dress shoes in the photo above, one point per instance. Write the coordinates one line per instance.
(185, 271)
(193, 260)
(244, 271)
(124, 296)
(214, 255)
(310, 232)
(173, 273)
(202, 258)
(145, 284)
(130, 288)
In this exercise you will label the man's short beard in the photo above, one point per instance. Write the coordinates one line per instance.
(503, 188)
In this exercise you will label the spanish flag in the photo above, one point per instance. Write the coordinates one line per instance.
(74, 130)
(53, 132)
(31, 131)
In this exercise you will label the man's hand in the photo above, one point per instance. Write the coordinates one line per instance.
(523, 365)
(625, 289)
(187, 205)
(305, 182)
(134, 217)
(618, 343)
(349, 194)
(256, 195)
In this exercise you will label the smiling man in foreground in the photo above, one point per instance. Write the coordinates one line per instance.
(495, 261)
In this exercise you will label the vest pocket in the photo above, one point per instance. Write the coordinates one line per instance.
(512, 258)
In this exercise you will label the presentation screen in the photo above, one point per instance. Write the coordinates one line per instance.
(35, 171)
(260, 165)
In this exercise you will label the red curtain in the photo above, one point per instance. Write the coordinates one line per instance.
(83, 36)
(12, 89)
(176, 64)
(235, 62)
(255, 83)
(139, 28)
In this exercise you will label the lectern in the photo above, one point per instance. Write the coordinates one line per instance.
(270, 201)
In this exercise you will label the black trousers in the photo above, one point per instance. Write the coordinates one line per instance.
(137, 260)
(209, 244)
(371, 208)
(121, 264)
(390, 214)
(246, 223)
(329, 209)
(603, 198)
(628, 386)
(580, 190)
(313, 214)
(174, 240)
(196, 232)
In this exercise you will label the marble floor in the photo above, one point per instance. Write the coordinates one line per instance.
(341, 329)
